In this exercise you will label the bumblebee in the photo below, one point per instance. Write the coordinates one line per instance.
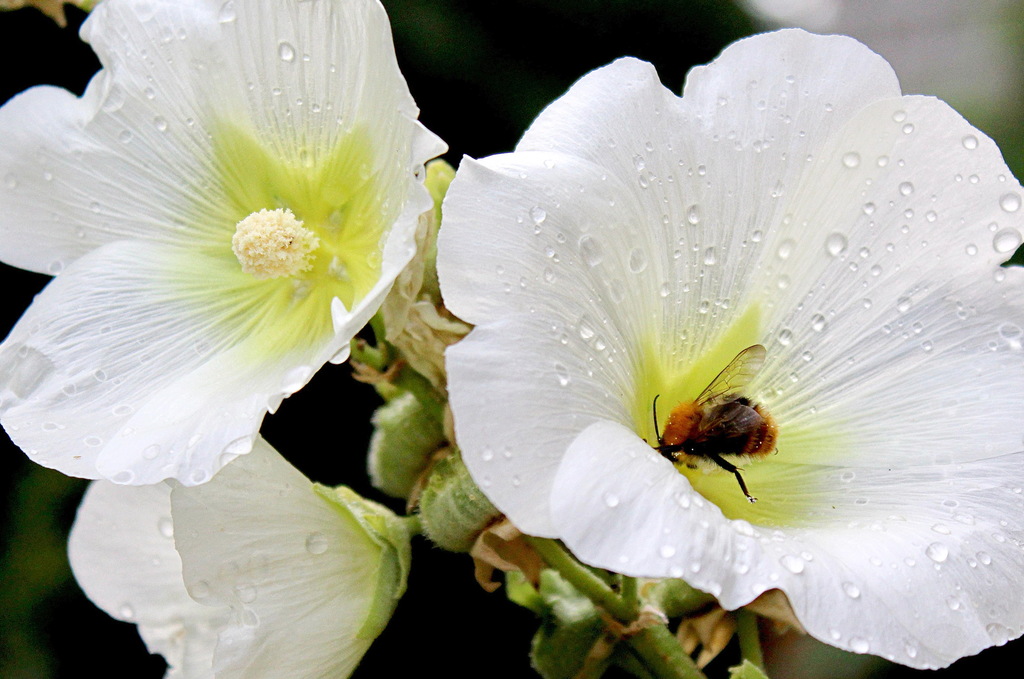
(720, 421)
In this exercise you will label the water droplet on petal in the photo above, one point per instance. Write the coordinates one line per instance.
(165, 526)
(590, 250)
(562, 373)
(286, 52)
(851, 159)
(835, 244)
(538, 215)
(126, 612)
(1007, 240)
(1010, 202)
(859, 645)
(818, 323)
(667, 551)
(793, 564)
(851, 590)
(970, 143)
(316, 543)
(125, 477)
(611, 500)
(227, 12)
(246, 593)
(693, 214)
(937, 552)
(906, 188)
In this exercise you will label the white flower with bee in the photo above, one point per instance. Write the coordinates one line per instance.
(792, 198)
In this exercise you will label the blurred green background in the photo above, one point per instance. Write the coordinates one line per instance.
(480, 72)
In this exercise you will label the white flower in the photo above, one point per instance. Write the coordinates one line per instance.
(274, 138)
(636, 242)
(272, 576)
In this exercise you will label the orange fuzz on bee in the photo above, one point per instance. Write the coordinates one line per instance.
(720, 422)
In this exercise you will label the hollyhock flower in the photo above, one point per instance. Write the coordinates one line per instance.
(226, 206)
(258, 573)
(792, 198)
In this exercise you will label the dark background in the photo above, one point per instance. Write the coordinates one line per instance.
(480, 72)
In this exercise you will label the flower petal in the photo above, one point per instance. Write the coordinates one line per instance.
(119, 371)
(914, 565)
(303, 576)
(122, 553)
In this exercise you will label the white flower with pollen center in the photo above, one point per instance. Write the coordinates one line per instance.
(638, 242)
(226, 206)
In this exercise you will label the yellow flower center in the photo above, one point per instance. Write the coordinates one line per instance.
(273, 244)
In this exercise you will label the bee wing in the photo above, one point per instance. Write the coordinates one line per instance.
(730, 420)
(735, 376)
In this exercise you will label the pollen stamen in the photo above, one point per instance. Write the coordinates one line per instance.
(273, 244)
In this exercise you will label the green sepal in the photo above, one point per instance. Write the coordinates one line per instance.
(571, 626)
(405, 436)
(393, 535)
(452, 508)
(747, 670)
(675, 598)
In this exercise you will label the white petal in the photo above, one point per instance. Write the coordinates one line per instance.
(120, 369)
(135, 156)
(914, 565)
(122, 553)
(299, 573)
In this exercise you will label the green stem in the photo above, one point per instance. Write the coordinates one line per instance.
(585, 582)
(630, 594)
(656, 648)
(660, 652)
(364, 352)
(750, 638)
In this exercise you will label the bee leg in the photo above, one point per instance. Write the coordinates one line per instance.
(730, 467)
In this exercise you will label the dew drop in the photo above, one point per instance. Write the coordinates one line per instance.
(937, 552)
(709, 256)
(906, 188)
(818, 323)
(1009, 202)
(786, 248)
(971, 249)
(693, 214)
(125, 477)
(611, 500)
(151, 451)
(1006, 240)
(910, 649)
(835, 244)
(239, 446)
(793, 564)
(246, 593)
(785, 337)
(126, 612)
(667, 551)
(562, 373)
(859, 645)
(165, 526)
(591, 250)
(851, 159)
(903, 304)
(316, 543)
(285, 51)
(227, 12)
(869, 208)
(538, 215)
(637, 260)
(851, 590)
(198, 476)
